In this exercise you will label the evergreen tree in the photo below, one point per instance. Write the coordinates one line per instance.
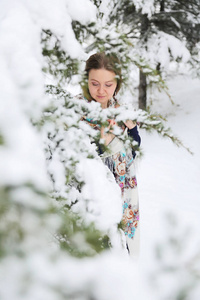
(160, 31)
(54, 231)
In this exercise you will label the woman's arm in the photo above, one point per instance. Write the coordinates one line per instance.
(135, 135)
(133, 131)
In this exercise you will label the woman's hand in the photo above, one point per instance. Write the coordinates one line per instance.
(108, 137)
(130, 124)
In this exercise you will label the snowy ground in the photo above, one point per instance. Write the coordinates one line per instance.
(168, 176)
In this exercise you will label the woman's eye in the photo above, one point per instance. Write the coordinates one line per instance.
(97, 84)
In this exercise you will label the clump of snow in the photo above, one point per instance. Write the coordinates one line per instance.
(83, 11)
(147, 7)
(164, 47)
(104, 206)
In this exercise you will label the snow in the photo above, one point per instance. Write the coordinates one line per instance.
(147, 6)
(85, 11)
(97, 190)
(163, 46)
(168, 177)
(168, 180)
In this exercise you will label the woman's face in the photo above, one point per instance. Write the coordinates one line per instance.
(102, 84)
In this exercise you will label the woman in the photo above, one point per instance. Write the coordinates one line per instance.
(103, 81)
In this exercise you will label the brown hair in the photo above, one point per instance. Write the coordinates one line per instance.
(100, 60)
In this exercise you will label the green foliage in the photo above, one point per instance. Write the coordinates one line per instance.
(76, 235)
(180, 19)
(83, 32)
(78, 238)
(16, 211)
(58, 63)
(1, 140)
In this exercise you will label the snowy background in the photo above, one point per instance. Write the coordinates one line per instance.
(40, 159)
(169, 184)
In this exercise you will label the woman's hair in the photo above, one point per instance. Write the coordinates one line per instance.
(109, 62)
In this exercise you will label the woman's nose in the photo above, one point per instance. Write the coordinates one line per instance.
(101, 90)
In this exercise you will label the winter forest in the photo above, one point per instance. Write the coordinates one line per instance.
(60, 208)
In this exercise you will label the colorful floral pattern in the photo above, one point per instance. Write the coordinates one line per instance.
(130, 219)
(122, 174)
(125, 177)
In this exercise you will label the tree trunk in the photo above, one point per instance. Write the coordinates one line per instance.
(142, 98)
(162, 5)
(143, 91)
